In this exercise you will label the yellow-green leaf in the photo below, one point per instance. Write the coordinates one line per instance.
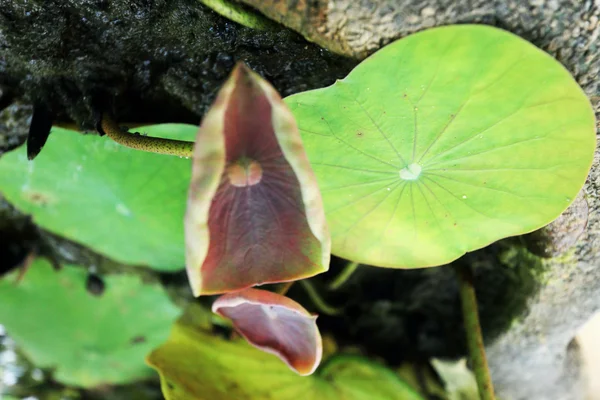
(197, 365)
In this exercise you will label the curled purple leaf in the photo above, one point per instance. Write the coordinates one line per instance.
(254, 213)
(275, 324)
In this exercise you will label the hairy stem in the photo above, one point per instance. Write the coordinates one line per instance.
(318, 301)
(473, 333)
(110, 128)
(343, 276)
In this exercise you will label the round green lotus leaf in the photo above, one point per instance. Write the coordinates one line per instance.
(87, 340)
(126, 204)
(444, 142)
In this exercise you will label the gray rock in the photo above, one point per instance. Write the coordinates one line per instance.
(531, 360)
(563, 233)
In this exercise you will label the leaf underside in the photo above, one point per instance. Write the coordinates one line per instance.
(275, 324)
(258, 229)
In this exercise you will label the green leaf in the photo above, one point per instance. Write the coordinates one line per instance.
(88, 340)
(194, 364)
(240, 14)
(127, 204)
(444, 142)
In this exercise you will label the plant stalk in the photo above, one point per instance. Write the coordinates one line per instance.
(343, 276)
(110, 128)
(318, 301)
(236, 12)
(473, 333)
(284, 288)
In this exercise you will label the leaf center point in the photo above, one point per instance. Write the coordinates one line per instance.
(411, 172)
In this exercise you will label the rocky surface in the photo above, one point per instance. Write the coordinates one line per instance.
(563, 233)
(531, 360)
(150, 60)
(160, 60)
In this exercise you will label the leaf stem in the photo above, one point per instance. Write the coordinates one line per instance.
(283, 289)
(343, 276)
(318, 301)
(238, 13)
(473, 332)
(110, 128)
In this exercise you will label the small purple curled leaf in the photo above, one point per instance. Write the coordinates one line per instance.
(254, 212)
(275, 324)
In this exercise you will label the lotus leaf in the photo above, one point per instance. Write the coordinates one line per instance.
(444, 142)
(88, 340)
(127, 204)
